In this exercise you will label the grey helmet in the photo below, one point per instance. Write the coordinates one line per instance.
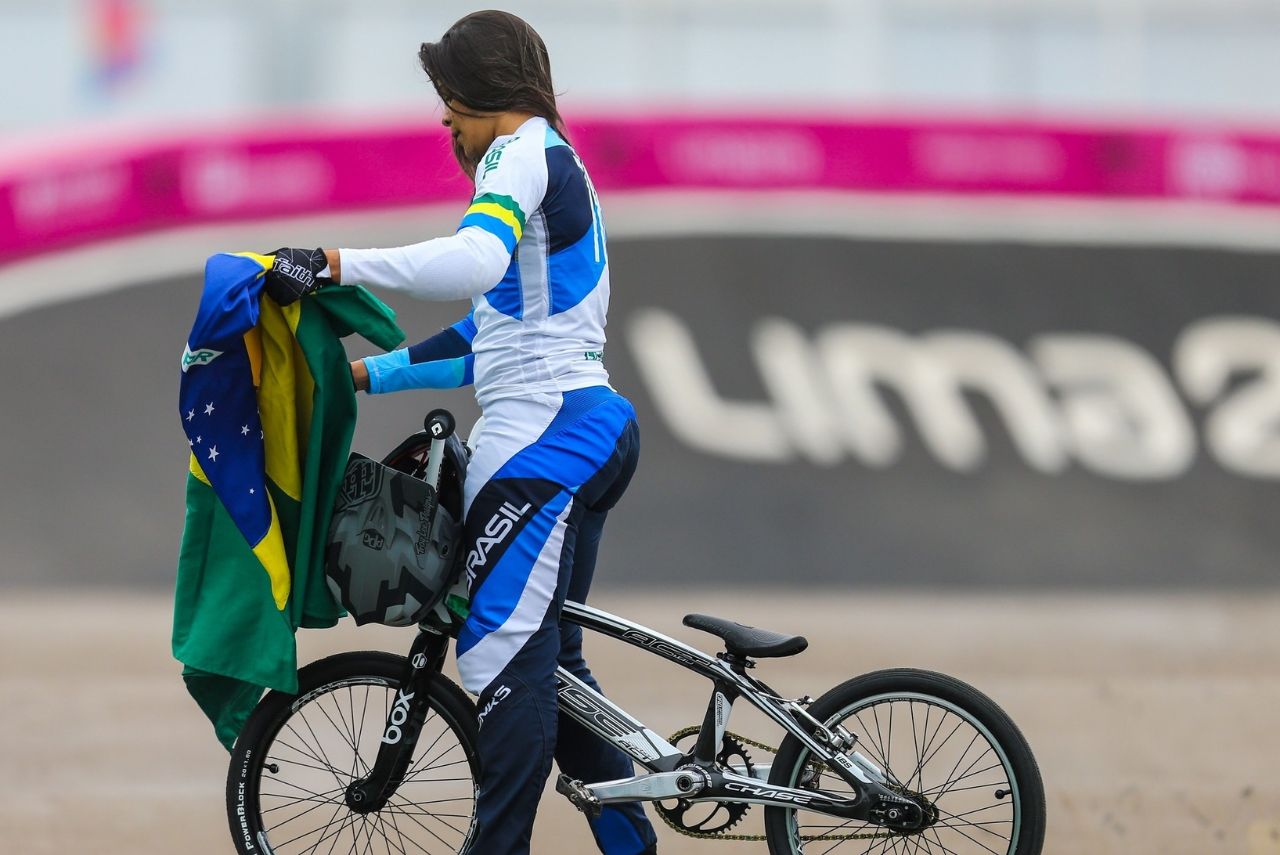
(393, 548)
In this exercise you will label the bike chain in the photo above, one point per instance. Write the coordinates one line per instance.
(689, 731)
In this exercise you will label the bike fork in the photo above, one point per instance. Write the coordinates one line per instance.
(404, 724)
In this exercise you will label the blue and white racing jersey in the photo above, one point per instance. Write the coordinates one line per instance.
(531, 255)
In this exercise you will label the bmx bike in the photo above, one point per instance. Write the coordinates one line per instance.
(377, 752)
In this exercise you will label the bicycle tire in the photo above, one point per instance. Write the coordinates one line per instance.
(1013, 824)
(294, 733)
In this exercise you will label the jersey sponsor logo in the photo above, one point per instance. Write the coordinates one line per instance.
(594, 356)
(203, 356)
(495, 531)
(1099, 401)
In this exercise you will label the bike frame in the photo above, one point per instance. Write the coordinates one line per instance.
(672, 773)
(697, 776)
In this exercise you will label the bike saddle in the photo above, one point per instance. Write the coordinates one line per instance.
(747, 640)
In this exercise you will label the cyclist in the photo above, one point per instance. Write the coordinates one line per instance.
(558, 445)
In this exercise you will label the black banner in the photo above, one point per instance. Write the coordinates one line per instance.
(812, 410)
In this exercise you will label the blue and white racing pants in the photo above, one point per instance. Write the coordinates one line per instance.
(544, 474)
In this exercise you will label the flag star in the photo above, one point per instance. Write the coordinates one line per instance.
(251, 491)
(213, 454)
(244, 430)
(199, 438)
(191, 414)
(191, 441)
(208, 410)
(262, 435)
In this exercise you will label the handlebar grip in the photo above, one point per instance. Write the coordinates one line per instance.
(439, 424)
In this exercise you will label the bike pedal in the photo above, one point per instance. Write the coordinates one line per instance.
(578, 795)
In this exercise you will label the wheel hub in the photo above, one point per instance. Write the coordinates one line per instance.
(915, 813)
(358, 798)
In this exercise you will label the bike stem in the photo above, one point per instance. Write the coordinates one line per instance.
(404, 724)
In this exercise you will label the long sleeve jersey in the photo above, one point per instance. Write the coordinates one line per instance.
(530, 254)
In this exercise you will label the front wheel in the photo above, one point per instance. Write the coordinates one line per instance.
(290, 768)
(938, 740)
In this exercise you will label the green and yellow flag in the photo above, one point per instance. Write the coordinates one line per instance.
(269, 411)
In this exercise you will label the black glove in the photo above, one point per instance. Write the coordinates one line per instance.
(294, 274)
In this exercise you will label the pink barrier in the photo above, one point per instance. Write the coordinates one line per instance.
(92, 191)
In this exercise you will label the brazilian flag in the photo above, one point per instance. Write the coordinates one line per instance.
(269, 410)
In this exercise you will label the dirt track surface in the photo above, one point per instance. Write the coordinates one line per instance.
(1154, 718)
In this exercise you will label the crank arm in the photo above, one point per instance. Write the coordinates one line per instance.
(651, 787)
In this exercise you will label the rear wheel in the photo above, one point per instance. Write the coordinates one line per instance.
(938, 740)
(286, 788)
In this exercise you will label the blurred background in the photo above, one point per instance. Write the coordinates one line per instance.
(964, 311)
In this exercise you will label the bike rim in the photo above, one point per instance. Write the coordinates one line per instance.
(330, 737)
(914, 731)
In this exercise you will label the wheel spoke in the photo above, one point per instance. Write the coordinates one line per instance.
(884, 743)
(423, 826)
(337, 832)
(319, 745)
(887, 764)
(977, 842)
(423, 762)
(340, 731)
(381, 825)
(372, 826)
(311, 793)
(978, 825)
(959, 760)
(278, 759)
(334, 844)
(942, 845)
(438, 817)
(915, 742)
(318, 799)
(968, 773)
(364, 710)
(404, 842)
(930, 755)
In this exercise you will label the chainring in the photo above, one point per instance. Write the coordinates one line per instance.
(710, 819)
(673, 811)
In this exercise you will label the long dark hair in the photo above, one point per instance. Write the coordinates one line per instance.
(492, 62)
